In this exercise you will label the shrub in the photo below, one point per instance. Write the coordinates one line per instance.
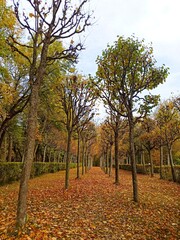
(140, 168)
(166, 171)
(11, 171)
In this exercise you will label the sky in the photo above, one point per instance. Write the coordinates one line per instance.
(156, 21)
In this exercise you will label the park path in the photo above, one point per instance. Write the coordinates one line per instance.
(93, 208)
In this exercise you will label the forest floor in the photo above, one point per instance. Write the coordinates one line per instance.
(93, 208)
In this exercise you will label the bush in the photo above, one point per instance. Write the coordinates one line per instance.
(166, 171)
(177, 171)
(11, 171)
(140, 168)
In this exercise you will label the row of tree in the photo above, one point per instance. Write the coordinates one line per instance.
(156, 139)
(47, 108)
(40, 92)
(127, 72)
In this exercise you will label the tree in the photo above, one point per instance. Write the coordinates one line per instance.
(7, 27)
(45, 23)
(116, 123)
(77, 103)
(149, 139)
(176, 101)
(88, 136)
(14, 92)
(168, 119)
(125, 70)
(107, 140)
(80, 128)
(49, 113)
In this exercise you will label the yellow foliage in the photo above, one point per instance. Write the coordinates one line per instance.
(2, 3)
(31, 15)
(7, 17)
(38, 134)
(6, 93)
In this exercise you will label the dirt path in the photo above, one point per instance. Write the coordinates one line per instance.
(94, 208)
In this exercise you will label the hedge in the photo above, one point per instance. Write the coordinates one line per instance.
(140, 168)
(11, 171)
(166, 171)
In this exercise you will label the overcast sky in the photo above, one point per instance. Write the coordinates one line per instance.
(156, 21)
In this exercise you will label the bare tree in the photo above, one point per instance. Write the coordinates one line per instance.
(77, 103)
(107, 143)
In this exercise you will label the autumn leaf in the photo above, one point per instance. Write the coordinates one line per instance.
(31, 15)
(93, 208)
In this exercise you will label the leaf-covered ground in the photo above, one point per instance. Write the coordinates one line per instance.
(93, 208)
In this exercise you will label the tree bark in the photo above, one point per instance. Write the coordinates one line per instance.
(68, 159)
(29, 155)
(2, 134)
(106, 159)
(87, 161)
(133, 160)
(116, 156)
(44, 153)
(110, 160)
(171, 163)
(151, 163)
(161, 162)
(49, 157)
(83, 157)
(4, 149)
(78, 157)
(143, 161)
(9, 157)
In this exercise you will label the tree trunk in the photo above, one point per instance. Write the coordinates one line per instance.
(116, 156)
(16, 152)
(143, 162)
(36, 152)
(44, 153)
(106, 159)
(78, 157)
(168, 159)
(83, 157)
(50, 153)
(54, 160)
(9, 157)
(68, 159)
(133, 160)
(2, 134)
(171, 163)
(29, 155)
(110, 160)
(87, 162)
(161, 162)
(151, 164)
(59, 155)
(4, 149)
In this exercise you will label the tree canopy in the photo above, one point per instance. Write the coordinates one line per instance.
(125, 70)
